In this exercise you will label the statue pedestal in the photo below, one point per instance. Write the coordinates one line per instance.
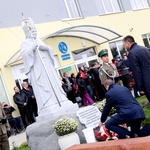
(41, 135)
(55, 110)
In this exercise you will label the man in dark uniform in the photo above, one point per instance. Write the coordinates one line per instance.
(108, 70)
(4, 129)
(139, 58)
(128, 109)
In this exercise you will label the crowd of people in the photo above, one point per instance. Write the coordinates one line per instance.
(85, 84)
(107, 80)
(27, 106)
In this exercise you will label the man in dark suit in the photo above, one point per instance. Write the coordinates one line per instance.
(28, 91)
(139, 58)
(21, 101)
(128, 109)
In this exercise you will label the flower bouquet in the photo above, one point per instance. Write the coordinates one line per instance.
(104, 135)
(65, 126)
(65, 129)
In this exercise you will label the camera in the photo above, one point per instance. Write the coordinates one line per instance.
(3, 120)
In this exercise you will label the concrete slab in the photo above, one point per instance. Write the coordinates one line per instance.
(17, 139)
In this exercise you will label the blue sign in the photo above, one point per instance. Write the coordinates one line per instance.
(63, 47)
(65, 56)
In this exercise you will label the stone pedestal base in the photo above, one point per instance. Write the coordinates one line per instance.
(41, 136)
(55, 111)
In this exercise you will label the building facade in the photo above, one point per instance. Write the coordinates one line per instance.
(72, 29)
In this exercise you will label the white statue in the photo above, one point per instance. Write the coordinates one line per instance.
(38, 60)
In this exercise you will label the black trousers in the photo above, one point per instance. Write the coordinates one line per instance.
(26, 115)
(34, 107)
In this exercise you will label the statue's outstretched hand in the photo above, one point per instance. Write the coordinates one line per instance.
(43, 48)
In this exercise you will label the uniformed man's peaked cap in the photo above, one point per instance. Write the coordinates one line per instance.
(103, 52)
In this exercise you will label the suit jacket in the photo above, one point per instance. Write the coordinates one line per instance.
(110, 69)
(3, 127)
(139, 58)
(122, 100)
(20, 99)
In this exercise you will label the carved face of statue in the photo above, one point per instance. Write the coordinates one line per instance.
(29, 28)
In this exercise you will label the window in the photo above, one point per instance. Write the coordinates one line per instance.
(3, 95)
(146, 40)
(72, 7)
(139, 4)
(82, 54)
(84, 57)
(108, 6)
(117, 48)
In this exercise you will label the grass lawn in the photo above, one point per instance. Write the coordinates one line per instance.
(23, 146)
(143, 100)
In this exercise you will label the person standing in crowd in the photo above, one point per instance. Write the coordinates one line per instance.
(83, 90)
(124, 71)
(87, 80)
(81, 70)
(132, 81)
(12, 121)
(139, 58)
(128, 109)
(4, 130)
(68, 87)
(113, 61)
(32, 105)
(98, 87)
(108, 70)
(21, 101)
(74, 83)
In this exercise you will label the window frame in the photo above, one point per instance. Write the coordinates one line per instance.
(136, 4)
(147, 37)
(69, 12)
(117, 46)
(1, 78)
(113, 8)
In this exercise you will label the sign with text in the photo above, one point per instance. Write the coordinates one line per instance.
(67, 69)
(89, 116)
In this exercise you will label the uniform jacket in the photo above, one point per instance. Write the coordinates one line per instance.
(20, 99)
(3, 127)
(110, 69)
(122, 100)
(139, 58)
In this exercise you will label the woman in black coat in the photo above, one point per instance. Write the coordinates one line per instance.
(83, 90)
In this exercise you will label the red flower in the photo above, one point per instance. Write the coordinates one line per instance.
(99, 136)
